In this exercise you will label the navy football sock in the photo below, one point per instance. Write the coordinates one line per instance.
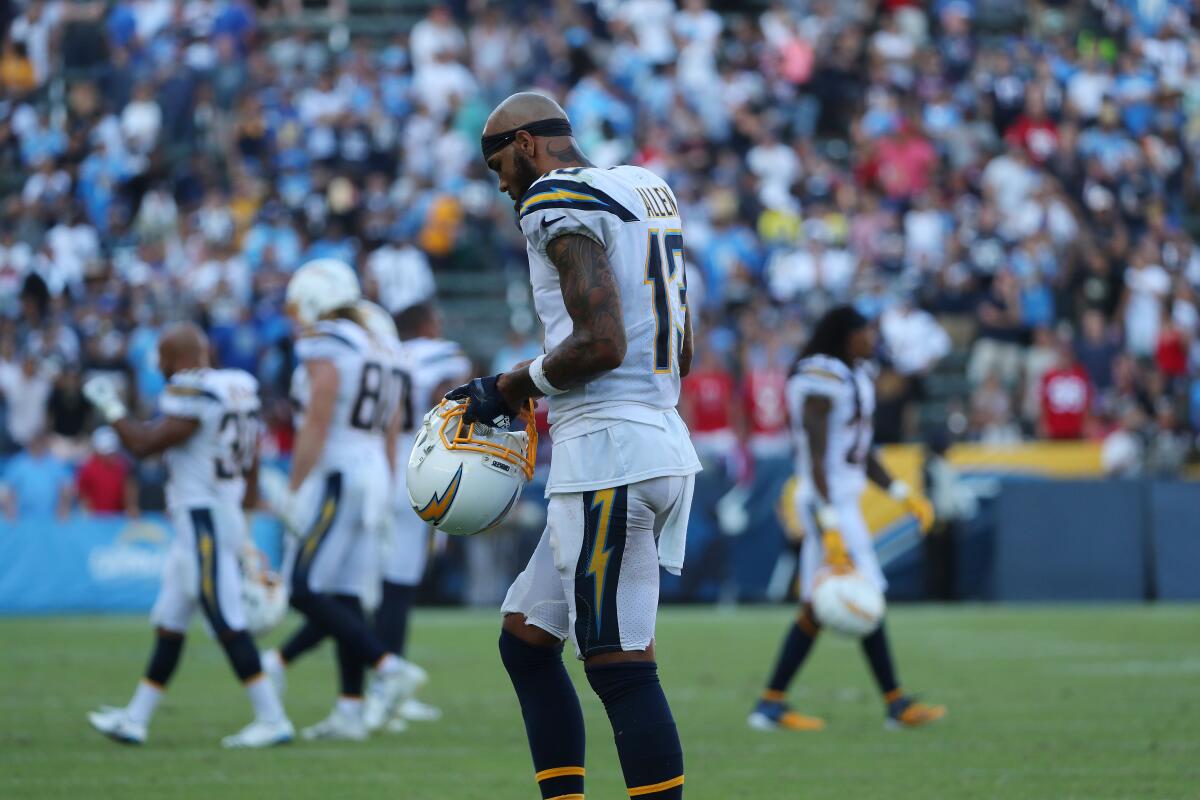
(391, 618)
(644, 730)
(792, 655)
(242, 654)
(550, 708)
(304, 639)
(332, 615)
(352, 670)
(879, 656)
(168, 647)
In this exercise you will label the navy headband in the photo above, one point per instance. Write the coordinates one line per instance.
(543, 127)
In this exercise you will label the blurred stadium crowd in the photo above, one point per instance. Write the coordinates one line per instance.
(1010, 187)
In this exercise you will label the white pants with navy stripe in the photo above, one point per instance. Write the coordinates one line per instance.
(202, 571)
(407, 548)
(593, 577)
(338, 554)
(855, 535)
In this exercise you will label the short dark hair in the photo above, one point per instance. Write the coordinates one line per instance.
(832, 331)
(410, 321)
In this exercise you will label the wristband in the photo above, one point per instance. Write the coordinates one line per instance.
(538, 376)
(899, 490)
(827, 517)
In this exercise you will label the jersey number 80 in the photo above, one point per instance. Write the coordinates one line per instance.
(382, 393)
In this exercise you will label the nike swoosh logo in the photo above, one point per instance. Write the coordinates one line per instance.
(546, 223)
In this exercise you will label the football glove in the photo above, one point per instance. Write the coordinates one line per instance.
(485, 404)
(281, 501)
(915, 504)
(836, 555)
(102, 393)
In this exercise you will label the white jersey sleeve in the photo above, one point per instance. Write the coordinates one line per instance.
(821, 376)
(328, 341)
(559, 204)
(189, 395)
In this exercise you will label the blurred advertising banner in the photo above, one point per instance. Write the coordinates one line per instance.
(92, 563)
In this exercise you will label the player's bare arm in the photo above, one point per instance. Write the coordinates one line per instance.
(597, 341)
(876, 472)
(816, 428)
(310, 440)
(144, 439)
(391, 436)
(250, 498)
(685, 352)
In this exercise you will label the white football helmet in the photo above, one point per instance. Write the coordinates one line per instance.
(464, 479)
(379, 322)
(847, 603)
(264, 595)
(319, 287)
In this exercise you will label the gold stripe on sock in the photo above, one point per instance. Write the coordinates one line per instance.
(773, 696)
(638, 791)
(567, 797)
(557, 772)
(893, 695)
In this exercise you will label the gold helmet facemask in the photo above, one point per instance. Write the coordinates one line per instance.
(458, 435)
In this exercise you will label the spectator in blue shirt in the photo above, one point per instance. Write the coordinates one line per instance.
(36, 483)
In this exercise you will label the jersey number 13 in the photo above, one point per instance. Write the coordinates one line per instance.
(664, 269)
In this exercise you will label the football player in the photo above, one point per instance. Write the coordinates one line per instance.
(208, 433)
(605, 251)
(337, 503)
(831, 400)
(435, 365)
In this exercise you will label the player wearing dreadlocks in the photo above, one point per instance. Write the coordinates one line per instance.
(831, 400)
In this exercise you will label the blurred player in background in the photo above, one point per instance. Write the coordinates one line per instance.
(435, 365)
(337, 502)
(208, 433)
(606, 263)
(831, 400)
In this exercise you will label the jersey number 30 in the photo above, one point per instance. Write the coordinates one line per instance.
(664, 266)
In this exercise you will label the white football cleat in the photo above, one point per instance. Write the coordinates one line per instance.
(273, 665)
(414, 710)
(338, 726)
(116, 724)
(261, 733)
(388, 692)
(396, 725)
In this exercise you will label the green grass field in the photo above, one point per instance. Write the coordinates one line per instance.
(1057, 703)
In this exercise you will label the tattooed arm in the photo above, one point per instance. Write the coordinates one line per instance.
(685, 353)
(597, 341)
(816, 430)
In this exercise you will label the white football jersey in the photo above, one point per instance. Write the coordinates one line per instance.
(433, 362)
(430, 363)
(371, 383)
(851, 426)
(210, 467)
(633, 214)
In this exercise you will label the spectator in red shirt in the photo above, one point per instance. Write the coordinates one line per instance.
(707, 403)
(1034, 131)
(104, 482)
(904, 162)
(1066, 397)
(1171, 351)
